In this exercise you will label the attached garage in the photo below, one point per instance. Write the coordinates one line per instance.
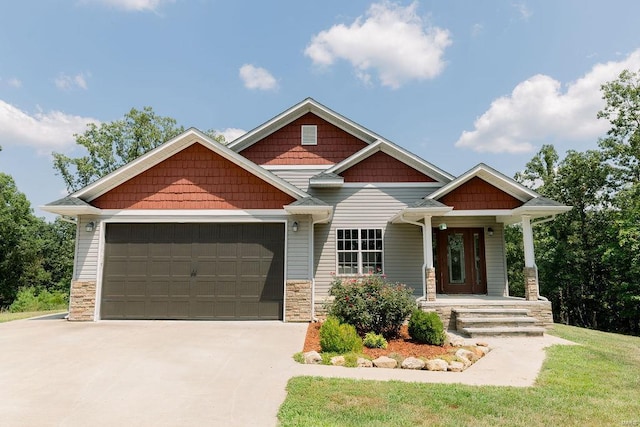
(202, 271)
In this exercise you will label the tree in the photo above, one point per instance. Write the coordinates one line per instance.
(112, 145)
(18, 251)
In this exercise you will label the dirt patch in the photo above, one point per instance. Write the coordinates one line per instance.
(403, 345)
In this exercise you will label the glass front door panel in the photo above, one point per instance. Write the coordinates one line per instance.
(455, 255)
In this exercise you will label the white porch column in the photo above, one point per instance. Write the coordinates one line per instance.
(531, 286)
(430, 271)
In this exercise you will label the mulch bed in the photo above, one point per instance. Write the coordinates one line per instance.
(403, 345)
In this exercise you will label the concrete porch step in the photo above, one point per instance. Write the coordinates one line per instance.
(490, 312)
(505, 331)
(490, 322)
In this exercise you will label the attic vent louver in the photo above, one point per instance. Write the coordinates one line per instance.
(309, 135)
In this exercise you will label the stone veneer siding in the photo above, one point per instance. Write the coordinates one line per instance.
(298, 300)
(82, 301)
(530, 284)
(540, 310)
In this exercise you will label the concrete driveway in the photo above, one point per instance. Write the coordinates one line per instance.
(145, 373)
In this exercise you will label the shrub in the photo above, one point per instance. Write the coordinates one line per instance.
(373, 340)
(36, 299)
(370, 303)
(339, 337)
(426, 328)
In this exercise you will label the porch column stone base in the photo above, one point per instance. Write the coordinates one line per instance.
(298, 301)
(531, 292)
(430, 278)
(82, 301)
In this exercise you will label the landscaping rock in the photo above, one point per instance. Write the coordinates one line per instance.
(436, 365)
(482, 344)
(456, 366)
(467, 355)
(312, 358)
(337, 361)
(479, 352)
(385, 362)
(412, 363)
(364, 363)
(484, 350)
(454, 340)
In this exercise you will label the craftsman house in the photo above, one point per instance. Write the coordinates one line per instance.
(255, 229)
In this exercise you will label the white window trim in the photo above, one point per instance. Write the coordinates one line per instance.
(359, 251)
(315, 136)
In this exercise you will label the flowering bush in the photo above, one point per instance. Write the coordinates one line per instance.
(371, 304)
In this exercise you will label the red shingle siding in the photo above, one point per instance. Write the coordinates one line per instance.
(381, 167)
(195, 178)
(283, 146)
(479, 194)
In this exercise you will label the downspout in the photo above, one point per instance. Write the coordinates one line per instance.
(65, 219)
(424, 254)
(312, 262)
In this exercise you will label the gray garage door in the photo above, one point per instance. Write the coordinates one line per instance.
(193, 271)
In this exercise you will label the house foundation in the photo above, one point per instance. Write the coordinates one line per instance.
(82, 301)
(298, 301)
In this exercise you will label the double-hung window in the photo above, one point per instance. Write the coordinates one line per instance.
(359, 250)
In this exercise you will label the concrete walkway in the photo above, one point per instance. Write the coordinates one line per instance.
(165, 373)
(512, 362)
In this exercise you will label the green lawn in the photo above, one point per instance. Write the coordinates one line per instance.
(595, 384)
(6, 316)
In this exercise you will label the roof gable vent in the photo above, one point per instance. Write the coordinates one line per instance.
(309, 135)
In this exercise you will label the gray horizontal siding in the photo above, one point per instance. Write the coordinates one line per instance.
(298, 249)
(86, 260)
(298, 177)
(370, 208)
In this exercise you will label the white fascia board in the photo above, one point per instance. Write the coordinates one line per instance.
(493, 177)
(192, 215)
(296, 167)
(419, 213)
(166, 150)
(538, 211)
(355, 158)
(480, 212)
(320, 214)
(71, 210)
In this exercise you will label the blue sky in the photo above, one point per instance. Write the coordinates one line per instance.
(456, 82)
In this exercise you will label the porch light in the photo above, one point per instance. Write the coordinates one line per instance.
(490, 231)
(294, 226)
(90, 226)
(442, 226)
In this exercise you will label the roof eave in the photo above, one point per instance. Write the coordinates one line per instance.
(71, 210)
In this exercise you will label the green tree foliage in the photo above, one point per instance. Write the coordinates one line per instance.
(589, 258)
(111, 145)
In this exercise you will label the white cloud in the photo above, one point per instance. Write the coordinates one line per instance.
(231, 133)
(66, 82)
(477, 30)
(539, 110)
(132, 5)
(49, 131)
(391, 39)
(14, 82)
(257, 78)
(524, 12)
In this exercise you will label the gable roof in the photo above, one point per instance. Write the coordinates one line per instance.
(73, 204)
(493, 177)
(396, 152)
(308, 105)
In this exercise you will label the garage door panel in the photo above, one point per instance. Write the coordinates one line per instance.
(193, 271)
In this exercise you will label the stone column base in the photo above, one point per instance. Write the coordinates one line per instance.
(82, 301)
(298, 301)
(430, 277)
(531, 292)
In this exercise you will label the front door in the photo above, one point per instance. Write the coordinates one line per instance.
(461, 261)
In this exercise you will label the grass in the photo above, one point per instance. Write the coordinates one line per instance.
(594, 384)
(6, 316)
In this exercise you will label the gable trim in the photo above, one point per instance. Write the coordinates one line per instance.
(397, 153)
(168, 149)
(492, 177)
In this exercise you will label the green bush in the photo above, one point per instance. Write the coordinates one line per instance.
(37, 299)
(373, 340)
(339, 337)
(427, 328)
(371, 304)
